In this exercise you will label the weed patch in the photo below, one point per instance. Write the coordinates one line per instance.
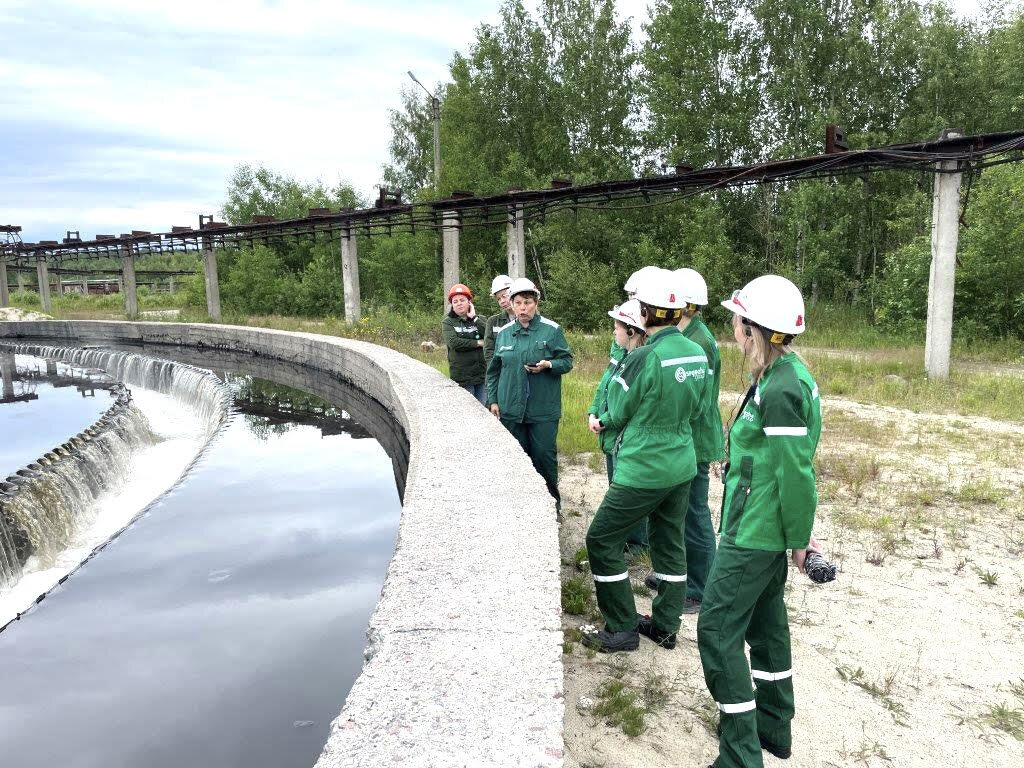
(575, 595)
(618, 705)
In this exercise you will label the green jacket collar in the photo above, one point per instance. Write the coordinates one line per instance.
(662, 334)
(531, 327)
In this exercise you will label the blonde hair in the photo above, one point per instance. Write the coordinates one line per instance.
(765, 352)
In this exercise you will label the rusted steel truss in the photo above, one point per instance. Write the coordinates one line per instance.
(390, 216)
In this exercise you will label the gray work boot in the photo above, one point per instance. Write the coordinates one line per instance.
(604, 641)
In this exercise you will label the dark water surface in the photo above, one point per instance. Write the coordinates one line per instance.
(225, 627)
(40, 410)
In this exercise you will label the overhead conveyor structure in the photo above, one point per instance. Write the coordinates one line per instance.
(947, 158)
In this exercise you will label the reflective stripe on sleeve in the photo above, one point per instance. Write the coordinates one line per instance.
(757, 674)
(612, 361)
(735, 709)
(681, 360)
(814, 392)
(668, 576)
(785, 431)
(616, 577)
(619, 379)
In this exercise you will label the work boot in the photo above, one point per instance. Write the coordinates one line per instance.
(646, 628)
(783, 753)
(611, 642)
(651, 582)
(691, 606)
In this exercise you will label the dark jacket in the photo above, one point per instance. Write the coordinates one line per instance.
(465, 355)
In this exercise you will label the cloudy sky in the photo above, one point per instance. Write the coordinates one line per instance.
(120, 114)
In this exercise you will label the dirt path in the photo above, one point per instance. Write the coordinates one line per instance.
(908, 659)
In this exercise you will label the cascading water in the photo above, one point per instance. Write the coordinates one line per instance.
(46, 505)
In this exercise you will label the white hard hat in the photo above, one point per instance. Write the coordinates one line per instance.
(628, 314)
(771, 301)
(522, 285)
(692, 286)
(500, 283)
(631, 283)
(658, 288)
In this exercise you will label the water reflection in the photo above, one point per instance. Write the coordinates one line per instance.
(42, 404)
(226, 626)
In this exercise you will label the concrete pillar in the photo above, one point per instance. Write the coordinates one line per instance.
(43, 275)
(7, 372)
(5, 294)
(350, 276)
(515, 243)
(170, 283)
(131, 294)
(212, 283)
(942, 277)
(85, 285)
(51, 367)
(450, 246)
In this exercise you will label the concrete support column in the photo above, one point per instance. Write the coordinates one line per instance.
(43, 275)
(7, 373)
(212, 283)
(131, 296)
(350, 276)
(5, 294)
(450, 246)
(170, 283)
(85, 285)
(942, 276)
(515, 243)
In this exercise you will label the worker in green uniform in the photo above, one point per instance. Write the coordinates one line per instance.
(707, 443)
(629, 334)
(463, 333)
(499, 290)
(524, 380)
(652, 402)
(768, 507)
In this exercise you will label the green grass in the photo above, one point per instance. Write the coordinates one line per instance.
(74, 304)
(575, 595)
(619, 706)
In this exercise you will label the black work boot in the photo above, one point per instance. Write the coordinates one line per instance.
(651, 582)
(661, 637)
(783, 753)
(611, 642)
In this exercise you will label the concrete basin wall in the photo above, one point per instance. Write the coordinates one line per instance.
(463, 662)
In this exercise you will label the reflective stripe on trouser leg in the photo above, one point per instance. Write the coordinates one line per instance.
(620, 510)
(700, 535)
(738, 579)
(668, 556)
(771, 664)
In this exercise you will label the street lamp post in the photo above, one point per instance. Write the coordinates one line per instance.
(435, 106)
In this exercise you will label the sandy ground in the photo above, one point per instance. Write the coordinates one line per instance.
(13, 314)
(897, 663)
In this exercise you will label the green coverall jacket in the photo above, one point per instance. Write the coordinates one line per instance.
(770, 493)
(524, 396)
(465, 356)
(707, 430)
(606, 439)
(662, 388)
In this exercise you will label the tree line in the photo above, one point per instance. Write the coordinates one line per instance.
(563, 90)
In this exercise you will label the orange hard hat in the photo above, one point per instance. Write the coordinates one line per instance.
(460, 288)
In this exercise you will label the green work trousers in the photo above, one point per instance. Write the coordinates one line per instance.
(622, 508)
(637, 535)
(700, 535)
(743, 602)
(539, 441)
